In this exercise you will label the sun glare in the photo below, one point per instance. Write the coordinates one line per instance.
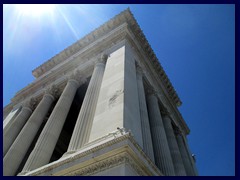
(35, 9)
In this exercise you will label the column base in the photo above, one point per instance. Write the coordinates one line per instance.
(67, 153)
(22, 173)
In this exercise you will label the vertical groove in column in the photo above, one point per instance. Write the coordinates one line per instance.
(12, 132)
(47, 140)
(84, 122)
(186, 161)
(147, 138)
(20, 146)
(173, 146)
(162, 154)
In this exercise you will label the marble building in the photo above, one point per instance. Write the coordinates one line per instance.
(102, 107)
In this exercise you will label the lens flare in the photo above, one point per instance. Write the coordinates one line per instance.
(35, 9)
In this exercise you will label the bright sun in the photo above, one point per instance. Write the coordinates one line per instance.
(35, 9)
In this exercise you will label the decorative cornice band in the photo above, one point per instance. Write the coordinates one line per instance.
(107, 164)
(119, 31)
(125, 16)
(94, 149)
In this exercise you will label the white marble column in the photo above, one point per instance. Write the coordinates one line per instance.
(185, 158)
(173, 146)
(10, 118)
(162, 153)
(147, 137)
(20, 146)
(48, 138)
(83, 125)
(12, 132)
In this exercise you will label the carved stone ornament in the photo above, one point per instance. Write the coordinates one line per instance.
(163, 99)
(177, 131)
(107, 164)
(151, 91)
(165, 112)
(139, 69)
(111, 161)
(77, 75)
(53, 90)
(32, 103)
(103, 58)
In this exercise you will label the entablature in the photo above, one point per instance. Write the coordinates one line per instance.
(84, 60)
(83, 54)
(124, 17)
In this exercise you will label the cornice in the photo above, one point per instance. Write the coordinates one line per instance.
(84, 60)
(146, 47)
(154, 81)
(79, 45)
(125, 16)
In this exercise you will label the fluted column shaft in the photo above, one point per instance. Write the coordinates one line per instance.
(185, 158)
(47, 140)
(147, 138)
(83, 125)
(193, 162)
(19, 148)
(173, 146)
(11, 133)
(162, 154)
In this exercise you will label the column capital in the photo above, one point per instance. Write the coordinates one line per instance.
(77, 76)
(31, 104)
(139, 69)
(151, 91)
(53, 90)
(102, 59)
(165, 112)
(177, 131)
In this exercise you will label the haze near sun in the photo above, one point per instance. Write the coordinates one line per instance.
(35, 9)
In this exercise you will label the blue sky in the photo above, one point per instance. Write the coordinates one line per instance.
(194, 43)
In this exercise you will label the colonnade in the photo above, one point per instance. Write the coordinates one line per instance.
(28, 123)
(160, 143)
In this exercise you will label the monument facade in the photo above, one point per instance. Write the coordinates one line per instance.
(103, 106)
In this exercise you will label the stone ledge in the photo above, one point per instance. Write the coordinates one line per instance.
(120, 149)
